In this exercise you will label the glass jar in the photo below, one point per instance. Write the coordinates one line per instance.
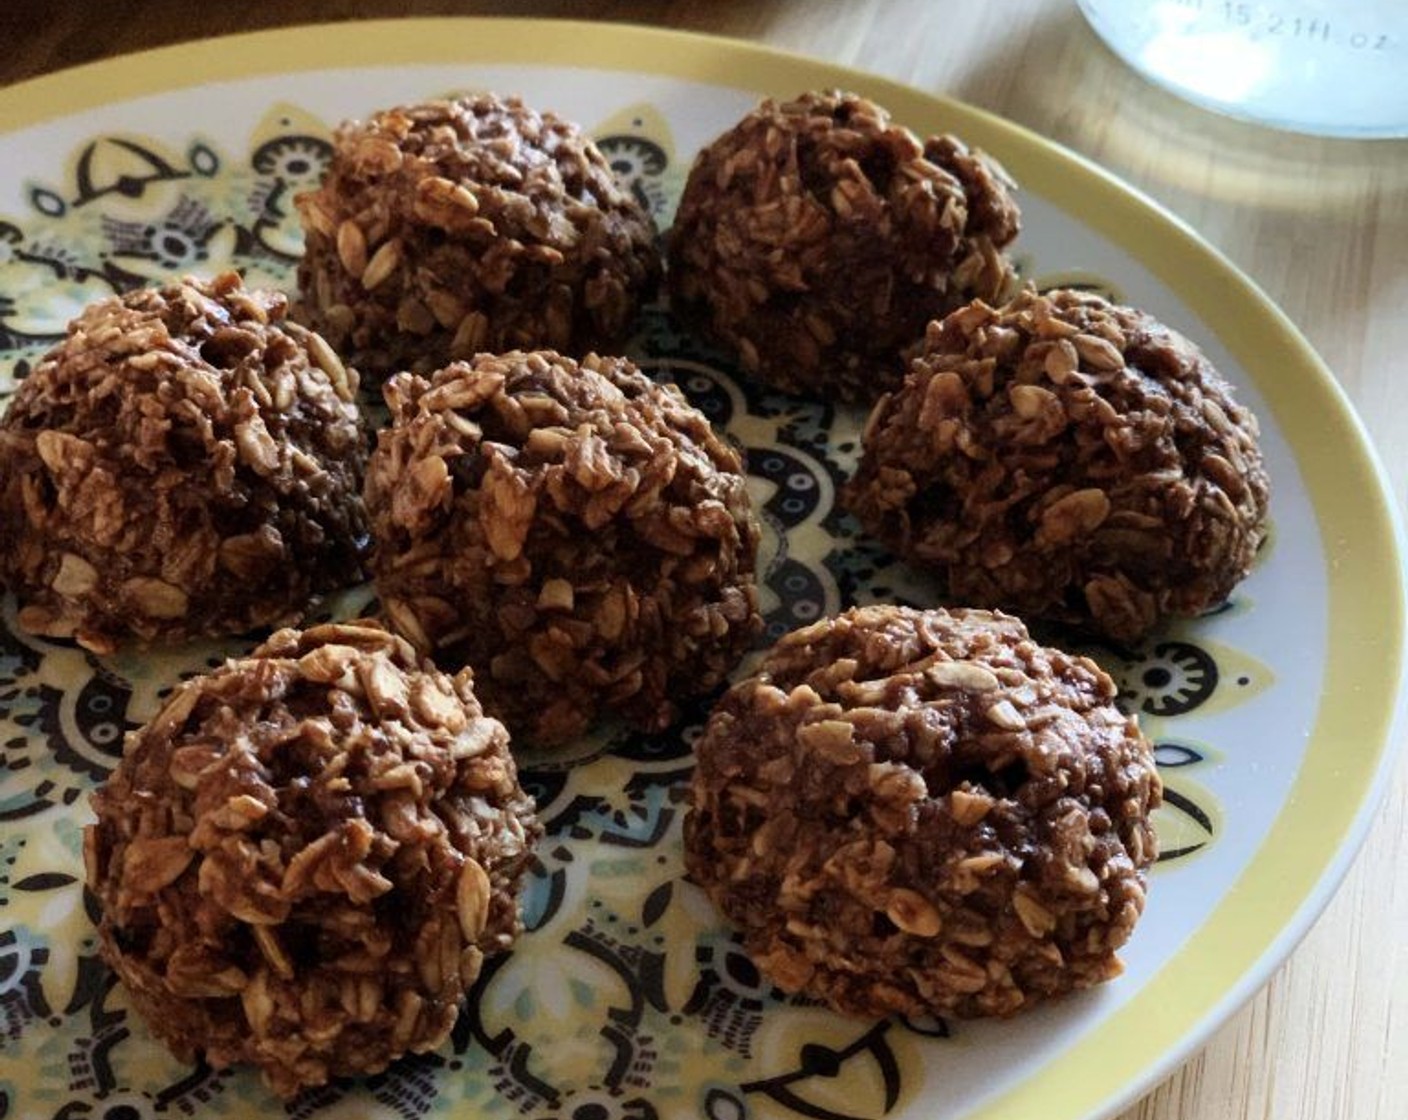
(1333, 67)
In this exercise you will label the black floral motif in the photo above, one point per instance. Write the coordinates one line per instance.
(638, 163)
(818, 1062)
(1171, 680)
(730, 995)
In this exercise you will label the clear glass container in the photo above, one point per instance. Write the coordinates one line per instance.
(1333, 67)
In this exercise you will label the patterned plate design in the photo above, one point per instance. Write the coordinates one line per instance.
(627, 999)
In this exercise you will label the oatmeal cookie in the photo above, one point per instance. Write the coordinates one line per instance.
(451, 227)
(303, 859)
(1066, 458)
(920, 812)
(576, 532)
(816, 239)
(186, 462)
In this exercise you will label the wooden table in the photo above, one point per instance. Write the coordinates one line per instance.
(1321, 225)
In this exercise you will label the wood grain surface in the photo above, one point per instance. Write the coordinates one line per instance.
(1320, 225)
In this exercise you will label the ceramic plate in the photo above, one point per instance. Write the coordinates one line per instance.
(627, 998)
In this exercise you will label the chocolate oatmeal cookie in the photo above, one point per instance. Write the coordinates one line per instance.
(576, 532)
(924, 812)
(186, 462)
(447, 228)
(816, 238)
(303, 859)
(1066, 458)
